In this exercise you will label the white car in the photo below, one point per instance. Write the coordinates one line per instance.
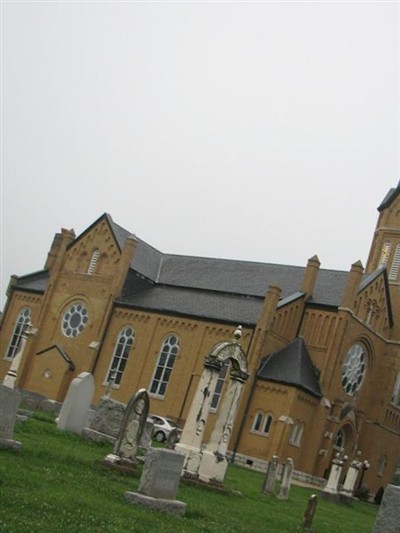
(162, 427)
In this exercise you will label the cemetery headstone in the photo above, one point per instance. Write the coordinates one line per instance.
(270, 477)
(172, 439)
(106, 421)
(75, 409)
(9, 402)
(388, 518)
(126, 445)
(309, 513)
(286, 479)
(145, 438)
(159, 482)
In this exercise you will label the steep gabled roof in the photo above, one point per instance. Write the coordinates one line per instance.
(292, 366)
(369, 278)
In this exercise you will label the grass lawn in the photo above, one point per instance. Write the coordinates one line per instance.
(56, 483)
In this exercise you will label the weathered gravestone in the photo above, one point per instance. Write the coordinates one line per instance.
(388, 518)
(9, 402)
(126, 445)
(172, 439)
(309, 513)
(145, 438)
(159, 482)
(106, 421)
(286, 479)
(270, 477)
(75, 409)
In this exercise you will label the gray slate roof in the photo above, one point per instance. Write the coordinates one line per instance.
(216, 289)
(292, 366)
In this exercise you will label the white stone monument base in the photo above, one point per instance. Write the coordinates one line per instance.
(10, 443)
(336, 497)
(96, 436)
(174, 507)
(212, 468)
(120, 463)
(193, 457)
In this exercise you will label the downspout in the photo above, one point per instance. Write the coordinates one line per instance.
(244, 418)
(105, 330)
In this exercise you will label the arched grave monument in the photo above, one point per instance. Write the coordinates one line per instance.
(133, 422)
(208, 462)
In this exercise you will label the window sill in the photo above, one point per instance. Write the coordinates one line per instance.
(155, 396)
(112, 387)
(259, 433)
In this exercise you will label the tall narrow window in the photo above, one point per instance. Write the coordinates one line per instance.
(340, 439)
(394, 271)
(169, 351)
(93, 262)
(219, 386)
(296, 434)
(267, 424)
(120, 355)
(15, 342)
(396, 392)
(257, 422)
(385, 254)
(382, 465)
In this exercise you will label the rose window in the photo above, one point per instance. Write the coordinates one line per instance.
(353, 370)
(74, 320)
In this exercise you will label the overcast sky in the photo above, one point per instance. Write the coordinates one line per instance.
(263, 131)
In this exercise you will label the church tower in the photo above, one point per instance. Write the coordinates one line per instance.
(385, 249)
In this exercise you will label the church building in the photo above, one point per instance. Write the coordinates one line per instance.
(322, 346)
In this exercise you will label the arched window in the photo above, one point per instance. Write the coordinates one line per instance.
(262, 423)
(120, 355)
(296, 434)
(23, 319)
(382, 465)
(385, 254)
(93, 262)
(396, 392)
(219, 386)
(267, 424)
(394, 271)
(340, 439)
(257, 422)
(169, 351)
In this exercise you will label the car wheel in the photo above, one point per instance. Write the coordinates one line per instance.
(159, 436)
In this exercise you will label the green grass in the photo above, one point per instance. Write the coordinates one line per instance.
(56, 483)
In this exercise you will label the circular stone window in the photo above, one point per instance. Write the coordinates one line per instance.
(74, 320)
(353, 370)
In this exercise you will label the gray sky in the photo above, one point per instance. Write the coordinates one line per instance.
(263, 131)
